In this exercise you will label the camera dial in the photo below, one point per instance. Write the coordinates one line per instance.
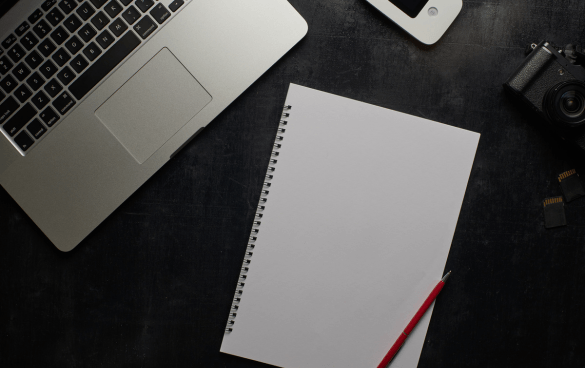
(565, 103)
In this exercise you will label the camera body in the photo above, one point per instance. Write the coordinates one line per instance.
(552, 84)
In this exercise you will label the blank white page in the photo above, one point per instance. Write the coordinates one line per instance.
(355, 235)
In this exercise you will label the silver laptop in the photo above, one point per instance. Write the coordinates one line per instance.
(97, 95)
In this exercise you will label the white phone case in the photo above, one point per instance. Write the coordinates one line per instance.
(430, 24)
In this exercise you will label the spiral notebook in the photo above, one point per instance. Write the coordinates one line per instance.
(352, 232)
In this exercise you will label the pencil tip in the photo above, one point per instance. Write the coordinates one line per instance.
(446, 276)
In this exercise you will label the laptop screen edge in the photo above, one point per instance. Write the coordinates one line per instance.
(5, 6)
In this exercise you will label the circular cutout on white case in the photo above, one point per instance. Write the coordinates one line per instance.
(433, 12)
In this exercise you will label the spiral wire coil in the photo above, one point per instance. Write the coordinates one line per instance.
(257, 217)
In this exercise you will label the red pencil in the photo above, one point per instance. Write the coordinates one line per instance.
(398, 344)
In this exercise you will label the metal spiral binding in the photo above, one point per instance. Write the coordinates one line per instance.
(249, 251)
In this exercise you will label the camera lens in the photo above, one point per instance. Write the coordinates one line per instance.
(572, 104)
(565, 104)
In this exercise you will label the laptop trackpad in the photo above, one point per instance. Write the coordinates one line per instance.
(153, 105)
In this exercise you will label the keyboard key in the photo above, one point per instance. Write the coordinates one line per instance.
(49, 117)
(59, 35)
(98, 3)
(47, 47)
(74, 45)
(21, 72)
(19, 120)
(8, 84)
(61, 57)
(5, 65)
(92, 51)
(7, 108)
(22, 93)
(176, 5)
(2, 95)
(131, 15)
(24, 141)
(100, 21)
(63, 103)
(145, 27)
(29, 41)
(79, 63)
(48, 4)
(66, 75)
(118, 27)
(144, 5)
(22, 28)
(40, 100)
(34, 17)
(105, 39)
(87, 33)
(9, 41)
(35, 81)
(85, 11)
(48, 69)
(126, 2)
(68, 5)
(160, 13)
(55, 16)
(42, 28)
(33, 60)
(53, 88)
(72, 23)
(113, 8)
(36, 129)
(16, 53)
(111, 58)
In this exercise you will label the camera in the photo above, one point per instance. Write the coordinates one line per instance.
(552, 81)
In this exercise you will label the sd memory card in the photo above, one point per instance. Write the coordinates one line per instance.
(554, 212)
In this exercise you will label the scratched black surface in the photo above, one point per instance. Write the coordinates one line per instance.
(152, 285)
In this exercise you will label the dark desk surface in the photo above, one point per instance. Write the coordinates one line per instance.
(152, 286)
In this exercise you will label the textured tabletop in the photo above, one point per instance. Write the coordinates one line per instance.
(152, 286)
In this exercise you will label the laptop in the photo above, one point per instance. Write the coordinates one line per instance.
(97, 95)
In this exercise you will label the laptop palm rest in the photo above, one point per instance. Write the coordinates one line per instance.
(135, 115)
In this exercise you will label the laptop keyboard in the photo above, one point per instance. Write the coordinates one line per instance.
(61, 52)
